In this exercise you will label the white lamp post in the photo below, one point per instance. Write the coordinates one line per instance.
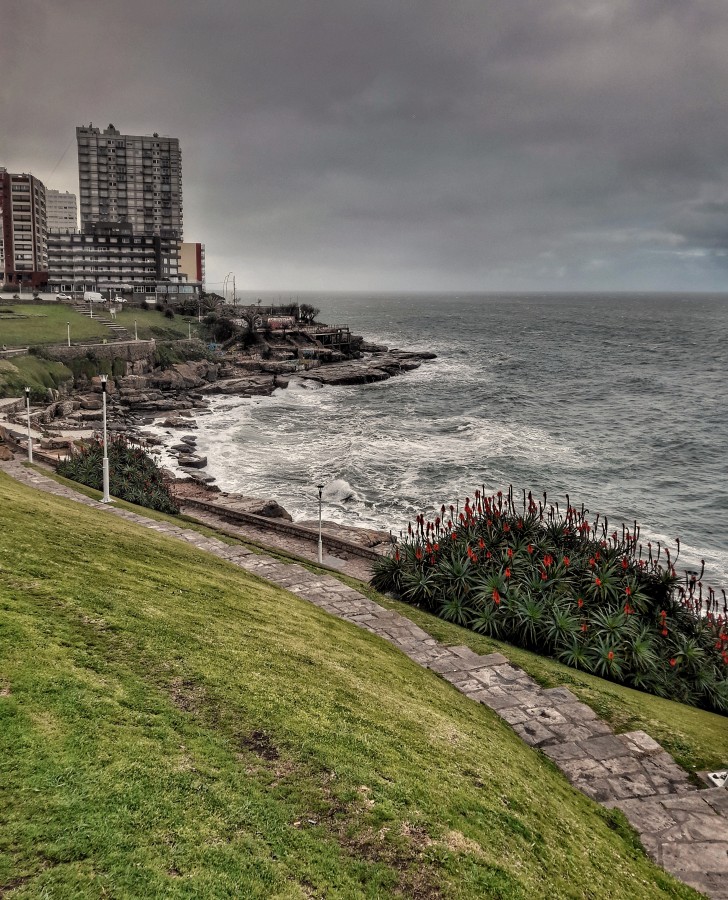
(189, 331)
(105, 498)
(136, 338)
(320, 543)
(68, 329)
(30, 437)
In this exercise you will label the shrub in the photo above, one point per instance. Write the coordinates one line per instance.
(133, 475)
(169, 313)
(595, 598)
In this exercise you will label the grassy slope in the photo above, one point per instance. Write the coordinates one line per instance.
(696, 738)
(19, 372)
(152, 324)
(170, 726)
(46, 324)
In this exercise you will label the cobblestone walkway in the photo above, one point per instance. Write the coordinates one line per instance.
(683, 829)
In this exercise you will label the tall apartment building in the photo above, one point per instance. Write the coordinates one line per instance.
(23, 231)
(62, 211)
(130, 178)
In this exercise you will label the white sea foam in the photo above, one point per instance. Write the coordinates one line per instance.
(502, 404)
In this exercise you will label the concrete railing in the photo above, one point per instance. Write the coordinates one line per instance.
(281, 526)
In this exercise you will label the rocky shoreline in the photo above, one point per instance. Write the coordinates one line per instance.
(159, 406)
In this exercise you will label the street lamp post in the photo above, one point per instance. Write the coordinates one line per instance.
(189, 331)
(136, 338)
(30, 436)
(320, 542)
(68, 329)
(105, 498)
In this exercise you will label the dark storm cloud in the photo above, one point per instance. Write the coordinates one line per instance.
(518, 144)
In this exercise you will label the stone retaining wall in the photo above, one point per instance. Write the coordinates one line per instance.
(130, 351)
(235, 517)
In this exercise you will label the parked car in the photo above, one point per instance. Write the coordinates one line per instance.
(119, 300)
(64, 297)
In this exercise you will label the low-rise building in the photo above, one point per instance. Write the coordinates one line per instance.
(111, 257)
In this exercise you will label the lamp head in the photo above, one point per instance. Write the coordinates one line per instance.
(27, 393)
(103, 382)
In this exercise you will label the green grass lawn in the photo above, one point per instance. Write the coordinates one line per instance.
(29, 326)
(153, 324)
(46, 324)
(173, 727)
(697, 739)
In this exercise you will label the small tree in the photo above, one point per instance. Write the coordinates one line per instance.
(307, 313)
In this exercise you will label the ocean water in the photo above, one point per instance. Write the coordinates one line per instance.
(619, 400)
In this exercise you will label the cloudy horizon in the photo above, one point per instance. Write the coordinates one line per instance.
(548, 145)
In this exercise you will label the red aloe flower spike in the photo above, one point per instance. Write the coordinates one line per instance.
(580, 603)
(610, 655)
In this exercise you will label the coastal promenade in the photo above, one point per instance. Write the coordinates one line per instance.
(682, 828)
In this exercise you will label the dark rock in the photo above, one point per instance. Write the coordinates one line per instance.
(192, 462)
(257, 506)
(252, 384)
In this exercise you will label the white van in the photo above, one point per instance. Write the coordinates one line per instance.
(92, 297)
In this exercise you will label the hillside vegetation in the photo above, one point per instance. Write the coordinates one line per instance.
(19, 372)
(172, 727)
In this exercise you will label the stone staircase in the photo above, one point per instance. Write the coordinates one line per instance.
(118, 332)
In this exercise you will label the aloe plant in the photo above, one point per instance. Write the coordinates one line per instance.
(558, 582)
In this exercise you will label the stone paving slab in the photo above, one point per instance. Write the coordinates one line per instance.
(682, 829)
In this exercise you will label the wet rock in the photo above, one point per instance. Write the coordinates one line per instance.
(54, 443)
(248, 386)
(192, 462)
(197, 476)
(176, 422)
(258, 506)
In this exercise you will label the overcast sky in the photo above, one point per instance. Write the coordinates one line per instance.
(480, 145)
